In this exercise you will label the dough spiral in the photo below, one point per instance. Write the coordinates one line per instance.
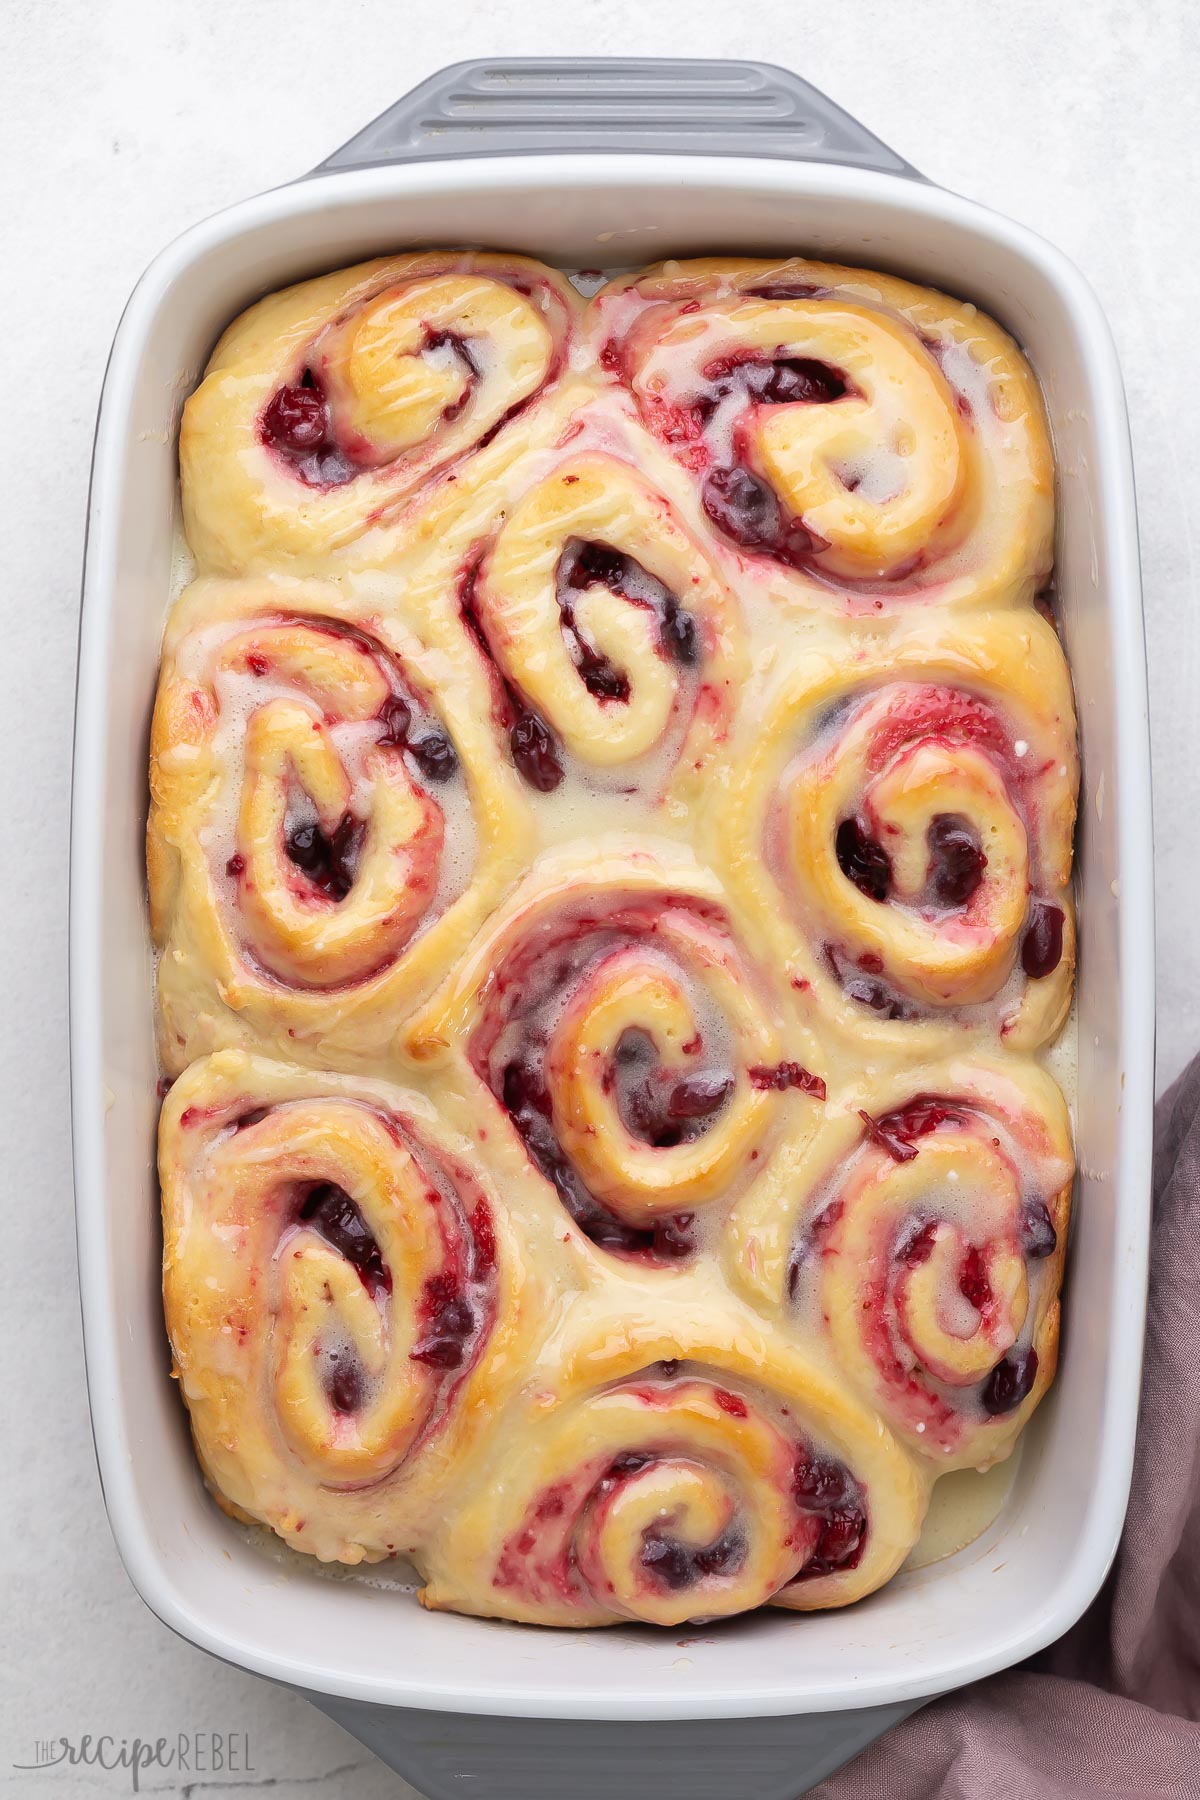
(851, 433)
(308, 767)
(341, 1287)
(631, 1044)
(664, 1473)
(903, 825)
(327, 407)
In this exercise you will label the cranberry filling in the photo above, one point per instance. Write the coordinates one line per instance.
(1041, 950)
(738, 502)
(675, 1565)
(657, 1105)
(297, 425)
(863, 861)
(448, 1323)
(785, 290)
(956, 862)
(330, 863)
(896, 1132)
(779, 1076)
(530, 742)
(329, 1210)
(525, 1096)
(777, 381)
(295, 418)
(745, 509)
(429, 748)
(1009, 1382)
(861, 988)
(915, 1246)
(973, 1283)
(1037, 1230)
(535, 753)
(828, 1490)
(585, 564)
(344, 1382)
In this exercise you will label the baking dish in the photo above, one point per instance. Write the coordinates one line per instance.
(604, 165)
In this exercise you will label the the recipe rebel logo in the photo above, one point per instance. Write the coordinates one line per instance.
(202, 1753)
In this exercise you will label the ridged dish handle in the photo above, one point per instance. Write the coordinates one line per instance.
(518, 106)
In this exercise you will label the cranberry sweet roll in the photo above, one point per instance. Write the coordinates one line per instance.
(633, 1053)
(903, 824)
(328, 823)
(658, 1469)
(614, 649)
(849, 436)
(328, 407)
(343, 1296)
(922, 1239)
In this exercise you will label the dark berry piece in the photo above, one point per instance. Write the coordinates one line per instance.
(396, 717)
(863, 861)
(840, 1543)
(779, 1076)
(448, 1321)
(295, 419)
(1009, 1383)
(741, 506)
(677, 1565)
(821, 1485)
(344, 1384)
(435, 756)
(802, 380)
(330, 1211)
(956, 862)
(1037, 1230)
(534, 754)
(678, 631)
(1041, 951)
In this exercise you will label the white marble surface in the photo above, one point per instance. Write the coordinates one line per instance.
(125, 121)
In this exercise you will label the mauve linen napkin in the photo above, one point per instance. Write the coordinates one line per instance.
(1112, 1709)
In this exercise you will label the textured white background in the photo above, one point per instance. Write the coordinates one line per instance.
(122, 122)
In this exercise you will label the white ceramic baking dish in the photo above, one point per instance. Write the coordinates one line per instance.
(592, 165)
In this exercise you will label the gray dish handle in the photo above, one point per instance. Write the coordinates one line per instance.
(519, 106)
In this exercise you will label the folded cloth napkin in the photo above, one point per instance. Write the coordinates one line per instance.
(1112, 1709)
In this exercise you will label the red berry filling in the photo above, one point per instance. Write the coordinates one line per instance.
(1009, 1382)
(330, 1211)
(1042, 947)
(660, 1106)
(827, 1490)
(531, 743)
(1038, 1235)
(780, 1076)
(956, 861)
(329, 862)
(296, 423)
(429, 746)
(676, 1565)
(448, 1324)
(863, 861)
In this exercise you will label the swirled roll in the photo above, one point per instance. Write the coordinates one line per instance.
(613, 647)
(327, 822)
(660, 1469)
(326, 408)
(903, 824)
(343, 1296)
(922, 1238)
(849, 435)
(625, 1037)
